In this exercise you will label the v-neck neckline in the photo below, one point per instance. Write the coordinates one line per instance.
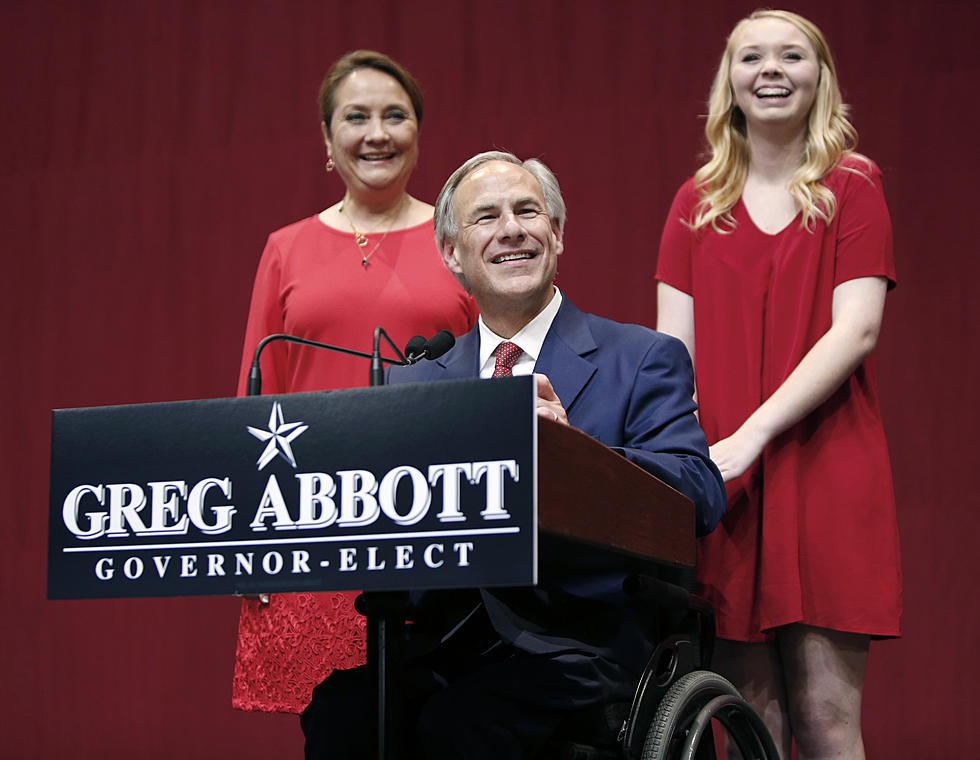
(761, 231)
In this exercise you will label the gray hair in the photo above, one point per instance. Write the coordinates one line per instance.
(445, 214)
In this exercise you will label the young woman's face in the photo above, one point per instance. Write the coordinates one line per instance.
(774, 73)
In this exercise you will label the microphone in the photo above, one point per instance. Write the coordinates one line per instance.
(254, 384)
(418, 348)
(439, 344)
(415, 348)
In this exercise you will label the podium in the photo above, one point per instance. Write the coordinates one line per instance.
(590, 494)
(445, 485)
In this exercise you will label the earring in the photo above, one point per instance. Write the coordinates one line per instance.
(329, 165)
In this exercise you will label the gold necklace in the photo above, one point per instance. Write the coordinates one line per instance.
(361, 239)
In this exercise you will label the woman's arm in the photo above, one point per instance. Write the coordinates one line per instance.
(855, 320)
(675, 315)
(265, 317)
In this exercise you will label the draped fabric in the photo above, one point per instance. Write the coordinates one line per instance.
(149, 148)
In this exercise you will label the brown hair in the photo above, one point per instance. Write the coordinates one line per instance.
(366, 59)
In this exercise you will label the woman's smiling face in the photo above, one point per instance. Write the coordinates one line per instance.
(774, 74)
(373, 138)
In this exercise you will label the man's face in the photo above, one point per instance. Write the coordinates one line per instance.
(507, 248)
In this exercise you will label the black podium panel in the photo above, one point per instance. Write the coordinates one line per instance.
(415, 486)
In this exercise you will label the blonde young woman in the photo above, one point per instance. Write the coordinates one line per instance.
(773, 269)
(369, 259)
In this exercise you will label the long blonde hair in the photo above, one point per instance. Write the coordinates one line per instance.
(829, 137)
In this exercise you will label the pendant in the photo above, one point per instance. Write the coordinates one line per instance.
(364, 262)
(360, 239)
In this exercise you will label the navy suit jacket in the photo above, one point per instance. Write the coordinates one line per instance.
(630, 388)
(625, 385)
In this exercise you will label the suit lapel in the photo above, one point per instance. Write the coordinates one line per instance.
(562, 355)
(562, 358)
(462, 361)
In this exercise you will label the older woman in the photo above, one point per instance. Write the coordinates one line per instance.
(773, 269)
(368, 260)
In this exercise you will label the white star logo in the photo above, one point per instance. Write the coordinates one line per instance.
(279, 435)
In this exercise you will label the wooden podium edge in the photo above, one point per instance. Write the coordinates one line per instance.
(588, 492)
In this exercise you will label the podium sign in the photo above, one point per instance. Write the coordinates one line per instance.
(390, 488)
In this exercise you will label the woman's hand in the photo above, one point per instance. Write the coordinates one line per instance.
(734, 455)
(260, 598)
(856, 317)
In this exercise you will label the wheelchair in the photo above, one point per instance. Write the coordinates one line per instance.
(677, 698)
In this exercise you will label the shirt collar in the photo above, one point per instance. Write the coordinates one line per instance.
(529, 338)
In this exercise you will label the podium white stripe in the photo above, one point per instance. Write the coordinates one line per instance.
(281, 541)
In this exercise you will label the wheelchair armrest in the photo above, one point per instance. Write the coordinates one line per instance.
(654, 591)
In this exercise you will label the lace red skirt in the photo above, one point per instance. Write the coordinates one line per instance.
(286, 647)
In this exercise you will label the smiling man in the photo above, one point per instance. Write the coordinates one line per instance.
(499, 224)
(503, 669)
(497, 236)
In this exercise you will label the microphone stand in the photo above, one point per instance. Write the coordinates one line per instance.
(377, 376)
(254, 385)
(385, 611)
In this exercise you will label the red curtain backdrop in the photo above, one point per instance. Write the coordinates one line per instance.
(148, 149)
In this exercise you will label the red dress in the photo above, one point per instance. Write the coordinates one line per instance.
(810, 533)
(311, 283)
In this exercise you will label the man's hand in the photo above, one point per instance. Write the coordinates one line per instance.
(548, 404)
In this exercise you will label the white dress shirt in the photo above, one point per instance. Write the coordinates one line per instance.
(529, 339)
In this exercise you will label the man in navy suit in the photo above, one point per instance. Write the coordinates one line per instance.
(504, 668)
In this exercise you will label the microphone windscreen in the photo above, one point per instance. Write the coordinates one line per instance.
(415, 346)
(438, 344)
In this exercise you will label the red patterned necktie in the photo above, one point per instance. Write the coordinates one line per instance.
(507, 355)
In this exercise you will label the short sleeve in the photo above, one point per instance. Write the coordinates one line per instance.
(864, 231)
(674, 259)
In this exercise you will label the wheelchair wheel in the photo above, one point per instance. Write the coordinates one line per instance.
(686, 711)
